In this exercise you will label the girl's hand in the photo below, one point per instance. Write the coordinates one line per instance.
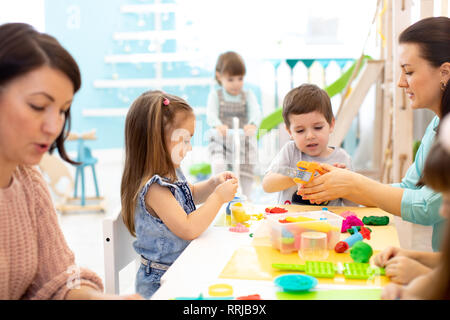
(222, 129)
(335, 183)
(390, 252)
(340, 165)
(226, 190)
(249, 129)
(223, 176)
(392, 291)
(402, 269)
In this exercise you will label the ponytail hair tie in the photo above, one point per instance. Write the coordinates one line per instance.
(166, 101)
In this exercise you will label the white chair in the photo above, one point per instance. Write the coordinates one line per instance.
(118, 251)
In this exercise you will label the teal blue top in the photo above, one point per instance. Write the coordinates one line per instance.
(421, 205)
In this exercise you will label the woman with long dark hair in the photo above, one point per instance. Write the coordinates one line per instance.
(38, 80)
(425, 63)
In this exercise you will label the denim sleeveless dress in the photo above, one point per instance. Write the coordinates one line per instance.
(154, 241)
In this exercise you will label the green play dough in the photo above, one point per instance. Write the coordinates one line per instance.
(376, 220)
(361, 252)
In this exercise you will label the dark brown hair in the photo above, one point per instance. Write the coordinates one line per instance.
(146, 152)
(436, 172)
(22, 50)
(433, 37)
(436, 175)
(230, 63)
(305, 99)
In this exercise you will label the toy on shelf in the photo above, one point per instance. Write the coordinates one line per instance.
(349, 222)
(361, 252)
(307, 171)
(295, 282)
(326, 269)
(342, 246)
(376, 220)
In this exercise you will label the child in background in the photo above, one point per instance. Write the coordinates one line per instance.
(436, 283)
(309, 121)
(225, 103)
(158, 204)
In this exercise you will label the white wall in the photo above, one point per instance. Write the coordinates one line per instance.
(29, 11)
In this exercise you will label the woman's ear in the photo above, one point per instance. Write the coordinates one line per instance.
(445, 72)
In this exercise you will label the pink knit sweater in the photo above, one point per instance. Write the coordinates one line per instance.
(35, 261)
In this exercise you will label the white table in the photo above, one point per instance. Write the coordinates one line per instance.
(201, 263)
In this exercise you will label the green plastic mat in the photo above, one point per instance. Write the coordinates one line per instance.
(344, 294)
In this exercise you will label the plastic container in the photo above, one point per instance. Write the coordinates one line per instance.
(241, 199)
(313, 246)
(286, 236)
(239, 212)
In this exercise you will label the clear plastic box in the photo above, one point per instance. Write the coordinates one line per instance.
(286, 236)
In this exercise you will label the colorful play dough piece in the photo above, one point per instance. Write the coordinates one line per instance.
(349, 222)
(351, 231)
(295, 282)
(361, 252)
(276, 210)
(376, 220)
(239, 228)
